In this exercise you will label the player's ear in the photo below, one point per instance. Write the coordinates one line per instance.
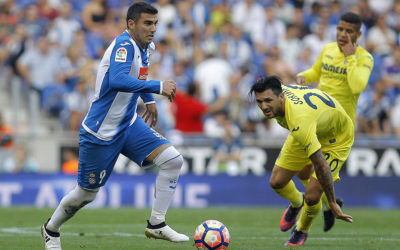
(131, 23)
(281, 97)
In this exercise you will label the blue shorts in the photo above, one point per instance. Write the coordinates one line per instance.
(97, 161)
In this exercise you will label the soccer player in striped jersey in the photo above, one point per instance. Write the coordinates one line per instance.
(112, 126)
(342, 70)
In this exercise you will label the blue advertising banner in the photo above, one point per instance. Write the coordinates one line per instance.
(46, 190)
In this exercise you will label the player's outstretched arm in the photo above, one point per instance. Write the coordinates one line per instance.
(323, 172)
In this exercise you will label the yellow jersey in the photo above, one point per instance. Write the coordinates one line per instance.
(344, 78)
(315, 119)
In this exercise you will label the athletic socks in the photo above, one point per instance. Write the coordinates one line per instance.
(307, 216)
(69, 205)
(170, 162)
(290, 192)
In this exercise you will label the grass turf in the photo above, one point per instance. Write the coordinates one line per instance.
(250, 228)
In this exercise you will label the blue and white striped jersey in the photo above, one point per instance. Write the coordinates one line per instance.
(121, 79)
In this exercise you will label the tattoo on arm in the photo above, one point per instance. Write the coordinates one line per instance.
(324, 175)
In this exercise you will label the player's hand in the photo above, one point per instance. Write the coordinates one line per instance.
(337, 211)
(301, 80)
(349, 48)
(169, 89)
(150, 115)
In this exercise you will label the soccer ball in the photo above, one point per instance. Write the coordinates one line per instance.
(211, 234)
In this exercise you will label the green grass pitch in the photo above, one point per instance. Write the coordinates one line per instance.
(250, 228)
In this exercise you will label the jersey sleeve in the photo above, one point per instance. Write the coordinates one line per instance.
(305, 134)
(313, 74)
(147, 98)
(359, 69)
(120, 65)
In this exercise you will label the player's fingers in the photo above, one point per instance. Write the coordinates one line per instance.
(153, 122)
(145, 116)
(346, 218)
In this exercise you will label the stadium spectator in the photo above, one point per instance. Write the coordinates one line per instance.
(189, 111)
(304, 60)
(6, 134)
(299, 21)
(368, 16)
(213, 75)
(35, 26)
(228, 151)
(112, 126)
(342, 70)
(20, 161)
(15, 47)
(77, 104)
(227, 144)
(94, 16)
(166, 12)
(391, 74)
(269, 129)
(316, 40)
(393, 18)
(46, 11)
(274, 65)
(290, 46)
(273, 31)
(394, 119)
(218, 124)
(284, 11)
(238, 50)
(309, 140)
(181, 78)
(64, 27)
(249, 15)
(381, 38)
(375, 112)
(39, 66)
(70, 162)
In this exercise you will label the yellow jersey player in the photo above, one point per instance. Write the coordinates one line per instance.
(321, 133)
(342, 70)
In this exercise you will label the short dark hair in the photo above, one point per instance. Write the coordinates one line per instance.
(136, 9)
(267, 82)
(353, 18)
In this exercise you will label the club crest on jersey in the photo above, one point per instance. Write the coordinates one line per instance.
(92, 179)
(120, 55)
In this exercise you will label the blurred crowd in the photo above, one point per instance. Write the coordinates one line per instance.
(213, 49)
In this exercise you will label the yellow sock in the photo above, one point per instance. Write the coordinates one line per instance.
(305, 182)
(291, 193)
(325, 202)
(307, 216)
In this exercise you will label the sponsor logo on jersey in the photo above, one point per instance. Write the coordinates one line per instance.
(124, 44)
(143, 73)
(120, 55)
(334, 69)
(295, 129)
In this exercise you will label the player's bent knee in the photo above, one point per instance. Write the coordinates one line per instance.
(311, 198)
(85, 196)
(170, 158)
(275, 184)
